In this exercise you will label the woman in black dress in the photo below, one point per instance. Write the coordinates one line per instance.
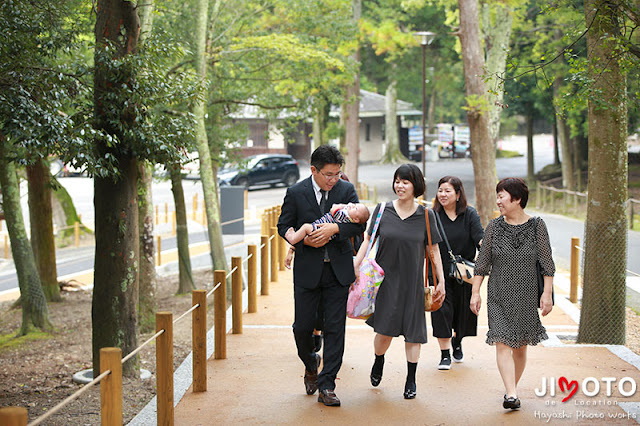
(402, 240)
(464, 232)
(513, 244)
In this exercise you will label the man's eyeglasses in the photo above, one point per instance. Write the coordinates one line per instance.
(330, 177)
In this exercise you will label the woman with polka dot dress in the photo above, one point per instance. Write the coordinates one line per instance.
(513, 243)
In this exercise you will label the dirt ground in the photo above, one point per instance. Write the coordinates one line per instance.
(37, 373)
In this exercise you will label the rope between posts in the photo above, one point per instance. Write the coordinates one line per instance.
(136, 350)
(262, 246)
(70, 398)
(629, 271)
(214, 289)
(185, 314)
(271, 237)
(247, 258)
(231, 272)
(232, 221)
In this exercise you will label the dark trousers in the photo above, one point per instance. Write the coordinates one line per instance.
(455, 312)
(333, 297)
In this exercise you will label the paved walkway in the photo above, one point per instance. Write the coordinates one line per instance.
(261, 380)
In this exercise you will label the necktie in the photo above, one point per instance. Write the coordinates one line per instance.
(323, 204)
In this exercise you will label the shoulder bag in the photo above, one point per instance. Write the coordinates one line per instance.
(363, 291)
(460, 269)
(539, 275)
(430, 305)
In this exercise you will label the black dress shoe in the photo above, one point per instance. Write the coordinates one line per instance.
(311, 378)
(511, 403)
(409, 390)
(328, 397)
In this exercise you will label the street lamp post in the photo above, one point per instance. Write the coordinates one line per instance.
(425, 38)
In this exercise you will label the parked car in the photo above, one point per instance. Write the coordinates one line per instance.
(263, 169)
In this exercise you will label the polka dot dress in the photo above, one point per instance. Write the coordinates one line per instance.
(508, 255)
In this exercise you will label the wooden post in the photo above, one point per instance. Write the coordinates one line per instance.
(199, 339)
(246, 199)
(159, 250)
(166, 212)
(111, 387)
(282, 251)
(274, 253)
(164, 368)
(13, 416)
(195, 206)
(575, 268)
(375, 194)
(220, 314)
(76, 233)
(173, 222)
(264, 230)
(204, 217)
(236, 294)
(157, 215)
(264, 265)
(252, 271)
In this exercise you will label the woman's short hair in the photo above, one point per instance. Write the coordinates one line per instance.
(516, 187)
(461, 203)
(326, 154)
(412, 173)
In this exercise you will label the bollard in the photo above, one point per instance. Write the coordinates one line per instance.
(13, 416)
(264, 229)
(264, 265)
(111, 387)
(273, 235)
(575, 267)
(375, 194)
(195, 206)
(204, 217)
(166, 212)
(76, 233)
(236, 294)
(282, 252)
(252, 269)
(159, 250)
(246, 199)
(199, 340)
(173, 223)
(164, 368)
(157, 216)
(220, 314)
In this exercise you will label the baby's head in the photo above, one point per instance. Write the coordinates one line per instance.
(359, 213)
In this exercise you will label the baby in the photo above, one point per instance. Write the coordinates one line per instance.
(339, 213)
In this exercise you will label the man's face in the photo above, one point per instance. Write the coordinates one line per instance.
(327, 177)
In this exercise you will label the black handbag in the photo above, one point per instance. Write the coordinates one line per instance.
(539, 275)
(460, 269)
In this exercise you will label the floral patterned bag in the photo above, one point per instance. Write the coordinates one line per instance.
(362, 293)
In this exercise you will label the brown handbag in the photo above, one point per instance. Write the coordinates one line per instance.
(430, 305)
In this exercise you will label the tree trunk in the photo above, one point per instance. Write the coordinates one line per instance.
(482, 150)
(41, 221)
(318, 127)
(392, 153)
(531, 173)
(352, 107)
(602, 317)
(498, 19)
(32, 298)
(115, 290)
(207, 172)
(567, 154)
(147, 305)
(431, 111)
(556, 143)
(186, 283)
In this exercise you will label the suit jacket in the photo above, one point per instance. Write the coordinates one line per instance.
(300, 206)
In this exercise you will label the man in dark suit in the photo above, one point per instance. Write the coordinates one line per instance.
(323, 268)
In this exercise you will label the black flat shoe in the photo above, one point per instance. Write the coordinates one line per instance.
(409, 390)
(317, 342)
(375, 379)
(511, 403)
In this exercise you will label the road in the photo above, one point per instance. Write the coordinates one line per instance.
(561, 228)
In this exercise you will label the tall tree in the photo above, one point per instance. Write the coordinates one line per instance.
(115, 291)
(352, 108)
(41, 221)
(602, 317)
(482, 151)
(33, 301)
(185, 275)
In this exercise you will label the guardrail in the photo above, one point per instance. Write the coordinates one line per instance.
(111, 360)
(551, 198)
